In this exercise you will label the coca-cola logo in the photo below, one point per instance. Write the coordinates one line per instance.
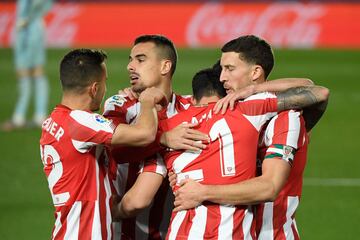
(62, 27)
(293, 24)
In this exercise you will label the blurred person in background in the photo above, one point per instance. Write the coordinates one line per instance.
(29, 51)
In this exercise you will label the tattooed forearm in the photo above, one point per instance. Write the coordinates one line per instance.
(313, 99)
(297, 98)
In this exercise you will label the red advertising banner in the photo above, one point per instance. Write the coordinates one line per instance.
(196, 24)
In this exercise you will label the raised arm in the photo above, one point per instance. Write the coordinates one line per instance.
(143, 132)
(278, 85)
(312, 99)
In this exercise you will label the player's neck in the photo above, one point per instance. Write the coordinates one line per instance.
(76, 102)
(166, 87)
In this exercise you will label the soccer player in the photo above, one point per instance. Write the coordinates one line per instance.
(29, 52)
(284, 134)
(217, 163)
(72, 142)
(152, 63)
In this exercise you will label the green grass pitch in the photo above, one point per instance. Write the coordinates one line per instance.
(329, 209)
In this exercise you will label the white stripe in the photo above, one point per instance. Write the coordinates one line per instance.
(259, 120)
(227, 222)
(160, 165)
(267, 231)
(132, 112)
(294, 129)
(269, 132)
(171, 110)
(57, 224)
(247, 222)
(176, 223)
(332, 182)
(107, 204)
(96, 224)
(198, 225)
(73, 222)
(292, 204)
(89, 120)
(82, 147)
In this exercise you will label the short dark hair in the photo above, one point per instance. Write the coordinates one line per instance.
(166, 45)
(206, 83)
(252, 49)
(81, 67)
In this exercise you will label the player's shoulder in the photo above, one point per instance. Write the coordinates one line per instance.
(182, 102)
(91, 120)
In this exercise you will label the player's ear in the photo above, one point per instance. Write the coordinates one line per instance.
(165, 67)
(257, 72)
(93, 89)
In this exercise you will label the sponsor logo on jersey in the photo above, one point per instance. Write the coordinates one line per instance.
(118, 100)
(101, 119)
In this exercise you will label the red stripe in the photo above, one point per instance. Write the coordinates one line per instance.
(279, 218)
(213, 219)
(64, 213)
(102, 195)
(259, 217)
(238, 231)
(281, 128)
(86, 219)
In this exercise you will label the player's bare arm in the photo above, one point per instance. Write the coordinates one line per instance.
(138, 197)
(143, 132)
(278, 85)
(313, 99)
(260, 189)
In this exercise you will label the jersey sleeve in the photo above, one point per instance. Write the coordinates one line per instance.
(89, 129)
(284, 135)
(258, 108)
(120, 109)
(154, 164)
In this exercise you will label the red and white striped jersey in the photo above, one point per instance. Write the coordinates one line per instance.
(151, 223)
(276, 220)
(229, 158)
(71, 148)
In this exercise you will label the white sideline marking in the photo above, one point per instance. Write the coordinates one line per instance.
(332, 182)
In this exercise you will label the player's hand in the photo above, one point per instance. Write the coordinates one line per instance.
(115, 214)
(129, 92)
(172, 179)
(189, 195)
(184, 137)
(229, 100)
(153, 96)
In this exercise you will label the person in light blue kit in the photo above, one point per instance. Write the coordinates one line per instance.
(29, 50)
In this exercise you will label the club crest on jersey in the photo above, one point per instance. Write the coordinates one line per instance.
(118, 100)
(288, 153)
(101, 119)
